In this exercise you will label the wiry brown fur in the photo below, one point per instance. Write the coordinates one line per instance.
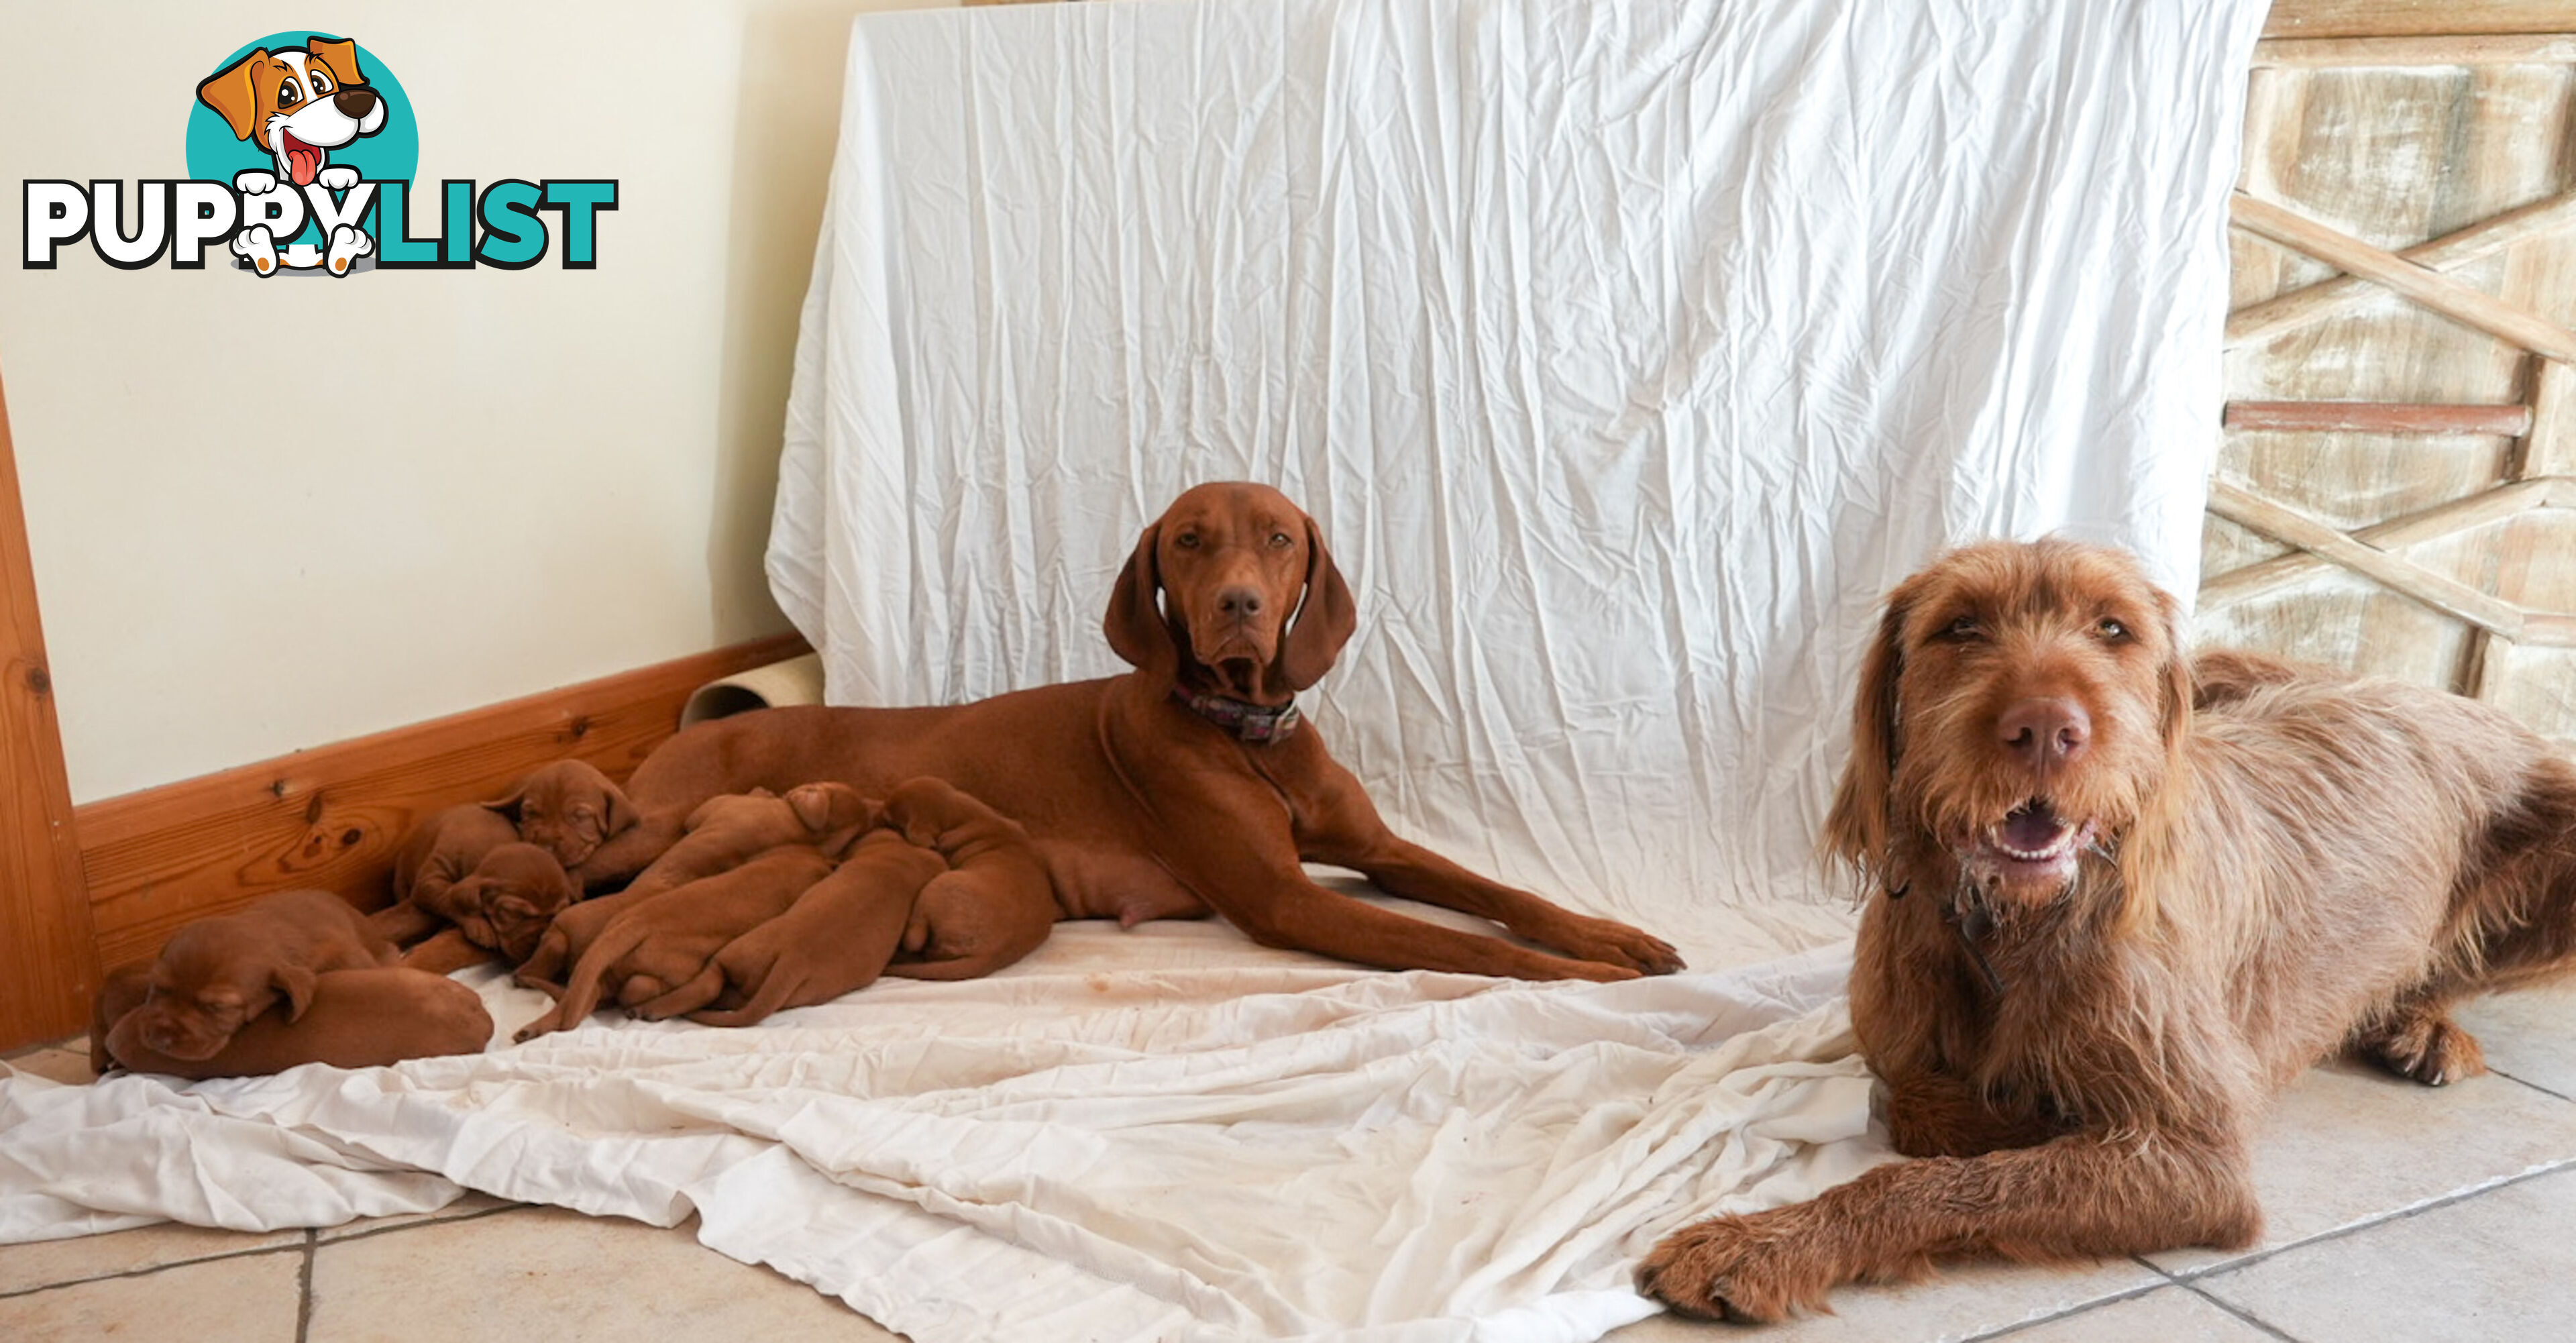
(2304, 862)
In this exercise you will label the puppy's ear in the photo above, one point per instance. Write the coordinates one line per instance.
(813, 807)
(340, 58)
(296, 982)
(1137, 631)
(235, 95)
(1325, 620)
(1856, 828)
(617, 813)
(508, 805)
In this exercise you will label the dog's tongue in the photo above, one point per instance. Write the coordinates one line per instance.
(2033, 827)
(303, 161)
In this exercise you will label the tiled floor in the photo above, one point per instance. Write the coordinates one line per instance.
(2396, 1212)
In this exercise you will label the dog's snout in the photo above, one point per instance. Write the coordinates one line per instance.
(2044, 733)
(355, 102)
(1239, 601)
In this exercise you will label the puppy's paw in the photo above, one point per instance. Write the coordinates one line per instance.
(337, 177)
(258, 247)
(254, 182)
(2429, 1048)
(1734, 1268)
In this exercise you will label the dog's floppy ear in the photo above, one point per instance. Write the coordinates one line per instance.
(813, 807)
(340, 58)
(2179, 687)
(1856, 828)
(1137, 631)
(1325, 620)
(235, 96)
(617, 813)
(296, 982)
(508, 804)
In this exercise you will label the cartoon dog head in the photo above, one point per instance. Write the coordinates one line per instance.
(298, 103)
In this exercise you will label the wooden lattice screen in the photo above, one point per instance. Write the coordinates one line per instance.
(2397, 490)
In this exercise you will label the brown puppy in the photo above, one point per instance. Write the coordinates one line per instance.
(569, 809)
(503, 906)
(836, 939)
(1185, 785)
(669, 939)
(722, 833)
(120, 991)
(218, 973)
(2108, 928)
(994, 908)
(357, 1019)
(438, 853)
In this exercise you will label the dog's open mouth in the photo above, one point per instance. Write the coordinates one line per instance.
(2032, 842)
(303, 161)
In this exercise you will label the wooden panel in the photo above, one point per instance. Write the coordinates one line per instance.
(2390, 18)
(48, 965)
(331, 817)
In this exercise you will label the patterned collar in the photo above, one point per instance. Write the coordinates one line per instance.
(1255, 723)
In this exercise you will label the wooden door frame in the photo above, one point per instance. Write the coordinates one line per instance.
(48, 948)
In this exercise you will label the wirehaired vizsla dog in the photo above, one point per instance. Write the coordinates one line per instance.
(1186, 785)
(2106, 927)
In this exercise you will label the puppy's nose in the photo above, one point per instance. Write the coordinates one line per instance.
(2045, 733)
(356, 102)
(1239, 602)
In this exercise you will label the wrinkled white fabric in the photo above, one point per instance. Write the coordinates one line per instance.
(1626, 353)
(1158, 1134)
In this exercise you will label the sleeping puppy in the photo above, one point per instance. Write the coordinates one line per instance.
(357, 1019)
(669, 939)
(994, 906)
(439, 853)
(836, 939)
(504, 905)
(722, 833)
(569, 809)
(217, 975)
(120, 991)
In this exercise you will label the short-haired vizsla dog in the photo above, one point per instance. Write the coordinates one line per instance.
(1185, 785)
(217, 974)
(2106, 927)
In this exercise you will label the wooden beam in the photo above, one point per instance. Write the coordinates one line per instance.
(2264, 577)
(2378, 417)
(2357, 52)
(2434, 290)
(332, 816)
(2417, 18)
(48, 957)
(2328, 298)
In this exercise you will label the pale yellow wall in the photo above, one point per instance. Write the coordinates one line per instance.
(483, 483)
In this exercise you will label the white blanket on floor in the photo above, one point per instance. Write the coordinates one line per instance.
(1627, 353)
(1154, 1134)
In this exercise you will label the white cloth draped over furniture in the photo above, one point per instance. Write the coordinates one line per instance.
(1626, 352)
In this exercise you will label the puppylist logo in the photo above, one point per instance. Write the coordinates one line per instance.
(301, 156)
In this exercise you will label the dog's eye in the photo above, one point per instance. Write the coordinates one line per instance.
(1279, 540)
(1187, 541)
(289, 94)
(2112, 630)
(1961, 630)
(321, 85)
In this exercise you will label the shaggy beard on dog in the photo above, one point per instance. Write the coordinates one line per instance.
(2117, 899)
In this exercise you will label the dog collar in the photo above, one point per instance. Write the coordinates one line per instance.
(1973, 924)
(1256, 723)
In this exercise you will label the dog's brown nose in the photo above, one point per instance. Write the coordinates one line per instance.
(1239, 602)
(355, 102)
(2045, 733)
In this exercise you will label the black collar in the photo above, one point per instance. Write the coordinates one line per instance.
(1259, 724)
(1973, 923)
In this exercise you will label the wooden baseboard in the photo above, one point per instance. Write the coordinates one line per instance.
(332, 817)
(2416, 18)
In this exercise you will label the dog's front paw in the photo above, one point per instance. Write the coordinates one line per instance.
(2430, 1049)
(1736, 1268)
(1613, 943)
(257, 246)
(254, 182)
(347, 245)
(337, 177)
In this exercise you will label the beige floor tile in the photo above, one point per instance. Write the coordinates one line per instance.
(544, 1273)
(2497, 1267)
(253, 1299)
(472, 1205)
(2349, 1144)
(2530, 1035)
(54, 1261)
(58, 1065)
(2167, 1315)
(1959, 1302)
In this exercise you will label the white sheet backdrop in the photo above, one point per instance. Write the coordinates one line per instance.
(1626, 352)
